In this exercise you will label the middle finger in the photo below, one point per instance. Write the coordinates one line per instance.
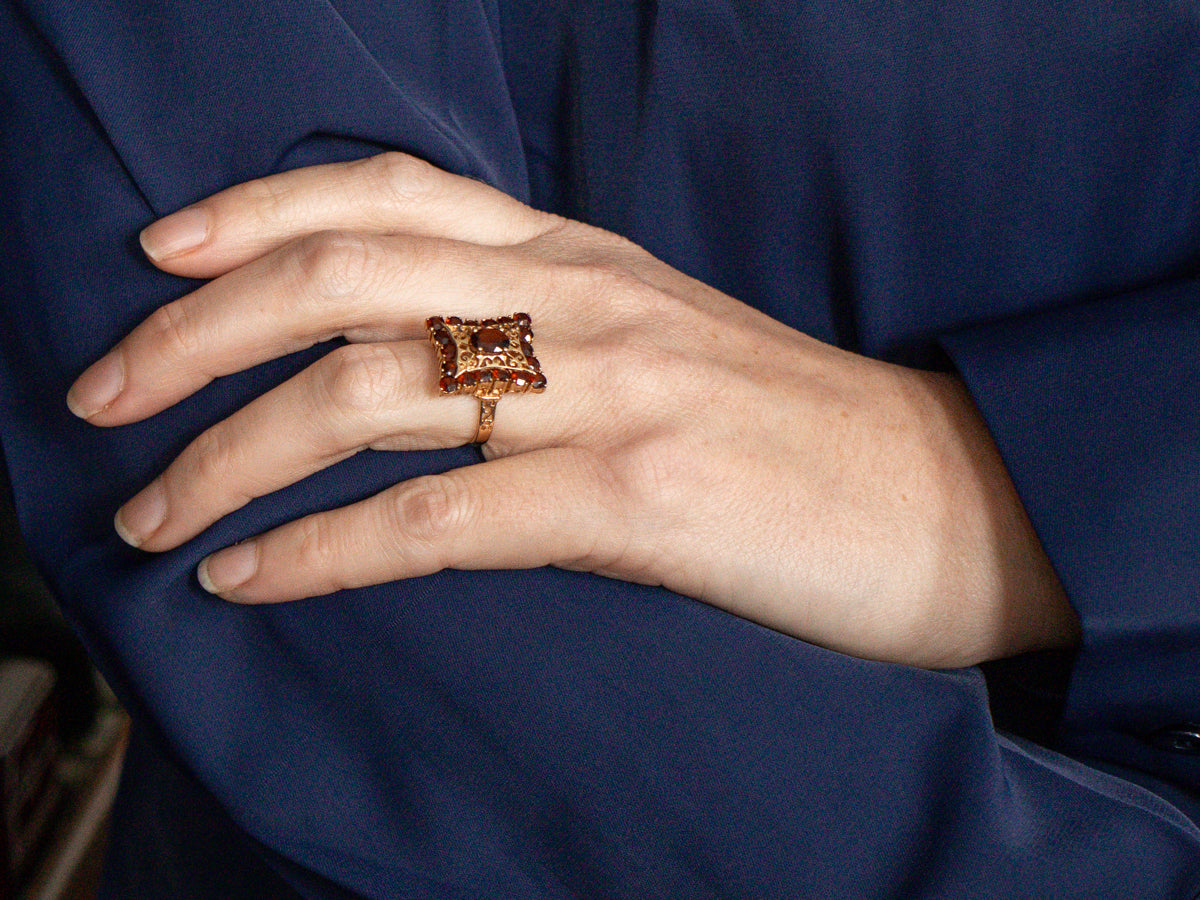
(365, 287)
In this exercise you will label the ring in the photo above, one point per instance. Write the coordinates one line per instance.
(487, 358)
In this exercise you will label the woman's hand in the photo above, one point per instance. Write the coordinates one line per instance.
(685, 439)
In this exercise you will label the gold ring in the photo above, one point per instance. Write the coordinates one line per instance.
(486, 358)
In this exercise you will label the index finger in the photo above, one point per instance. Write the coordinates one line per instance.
(389, 193)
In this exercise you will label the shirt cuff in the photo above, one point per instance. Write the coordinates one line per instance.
(1096, 410)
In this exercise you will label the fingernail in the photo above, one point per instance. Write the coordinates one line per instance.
(177, 233)
(141, 516)
(228, 569)
(98, 387)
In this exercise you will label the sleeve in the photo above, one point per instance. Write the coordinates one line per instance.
(1096, 409)
(543, 734)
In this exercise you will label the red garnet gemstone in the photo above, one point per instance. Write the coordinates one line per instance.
(520, 379)
(498, 375)
(489, 340)
(448, 367)
(443, 337)
(484, 377)
(433, 322)
(467, 379)
(533, 363)
(506, 320)
(539, 382)
(454, 320)
(522, 319)
(447, 384)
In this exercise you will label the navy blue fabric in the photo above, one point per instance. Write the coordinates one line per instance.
(1012, 189)
(174, 841)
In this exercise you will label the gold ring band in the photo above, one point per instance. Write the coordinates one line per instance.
(487, 419)
(486, 358)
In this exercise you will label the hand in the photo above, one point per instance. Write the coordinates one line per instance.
(685, 439)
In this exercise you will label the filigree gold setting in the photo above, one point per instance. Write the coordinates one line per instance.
(486, 358)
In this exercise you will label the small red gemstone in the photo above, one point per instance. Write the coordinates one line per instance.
(506, 320)
(483, 377)
(467, 379)
(533, 363)
(539, 382)
(489, 340)
(433, 322)
(520, 379)
(522, 319)
(447, 384)
(454, 320)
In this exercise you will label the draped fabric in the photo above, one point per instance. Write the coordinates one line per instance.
(1001, 189)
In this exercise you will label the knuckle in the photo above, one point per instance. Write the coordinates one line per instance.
(266, 199)
(315, 546)
(607, 486)
(634, 301)
(563, 238)
(210, 458)
(562, 231)
(643, 371)
(648, 473)
(361, 378)
(335, 265)
(176, 333)
(596, 477)
(259, 190)
(430, 509)
(610, 287)
(406, 178)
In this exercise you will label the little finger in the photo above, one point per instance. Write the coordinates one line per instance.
(550, 507)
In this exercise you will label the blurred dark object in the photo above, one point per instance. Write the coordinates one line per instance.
(31, 626)
(68, 863)
(62, 737)
(29, 792)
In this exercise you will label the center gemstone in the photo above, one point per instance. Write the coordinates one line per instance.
(489, 340)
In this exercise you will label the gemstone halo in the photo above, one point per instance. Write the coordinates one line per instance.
(486, 358)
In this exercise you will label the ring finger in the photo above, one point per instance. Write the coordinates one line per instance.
(379, 395)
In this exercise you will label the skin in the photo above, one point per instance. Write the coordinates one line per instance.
(685, 439)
